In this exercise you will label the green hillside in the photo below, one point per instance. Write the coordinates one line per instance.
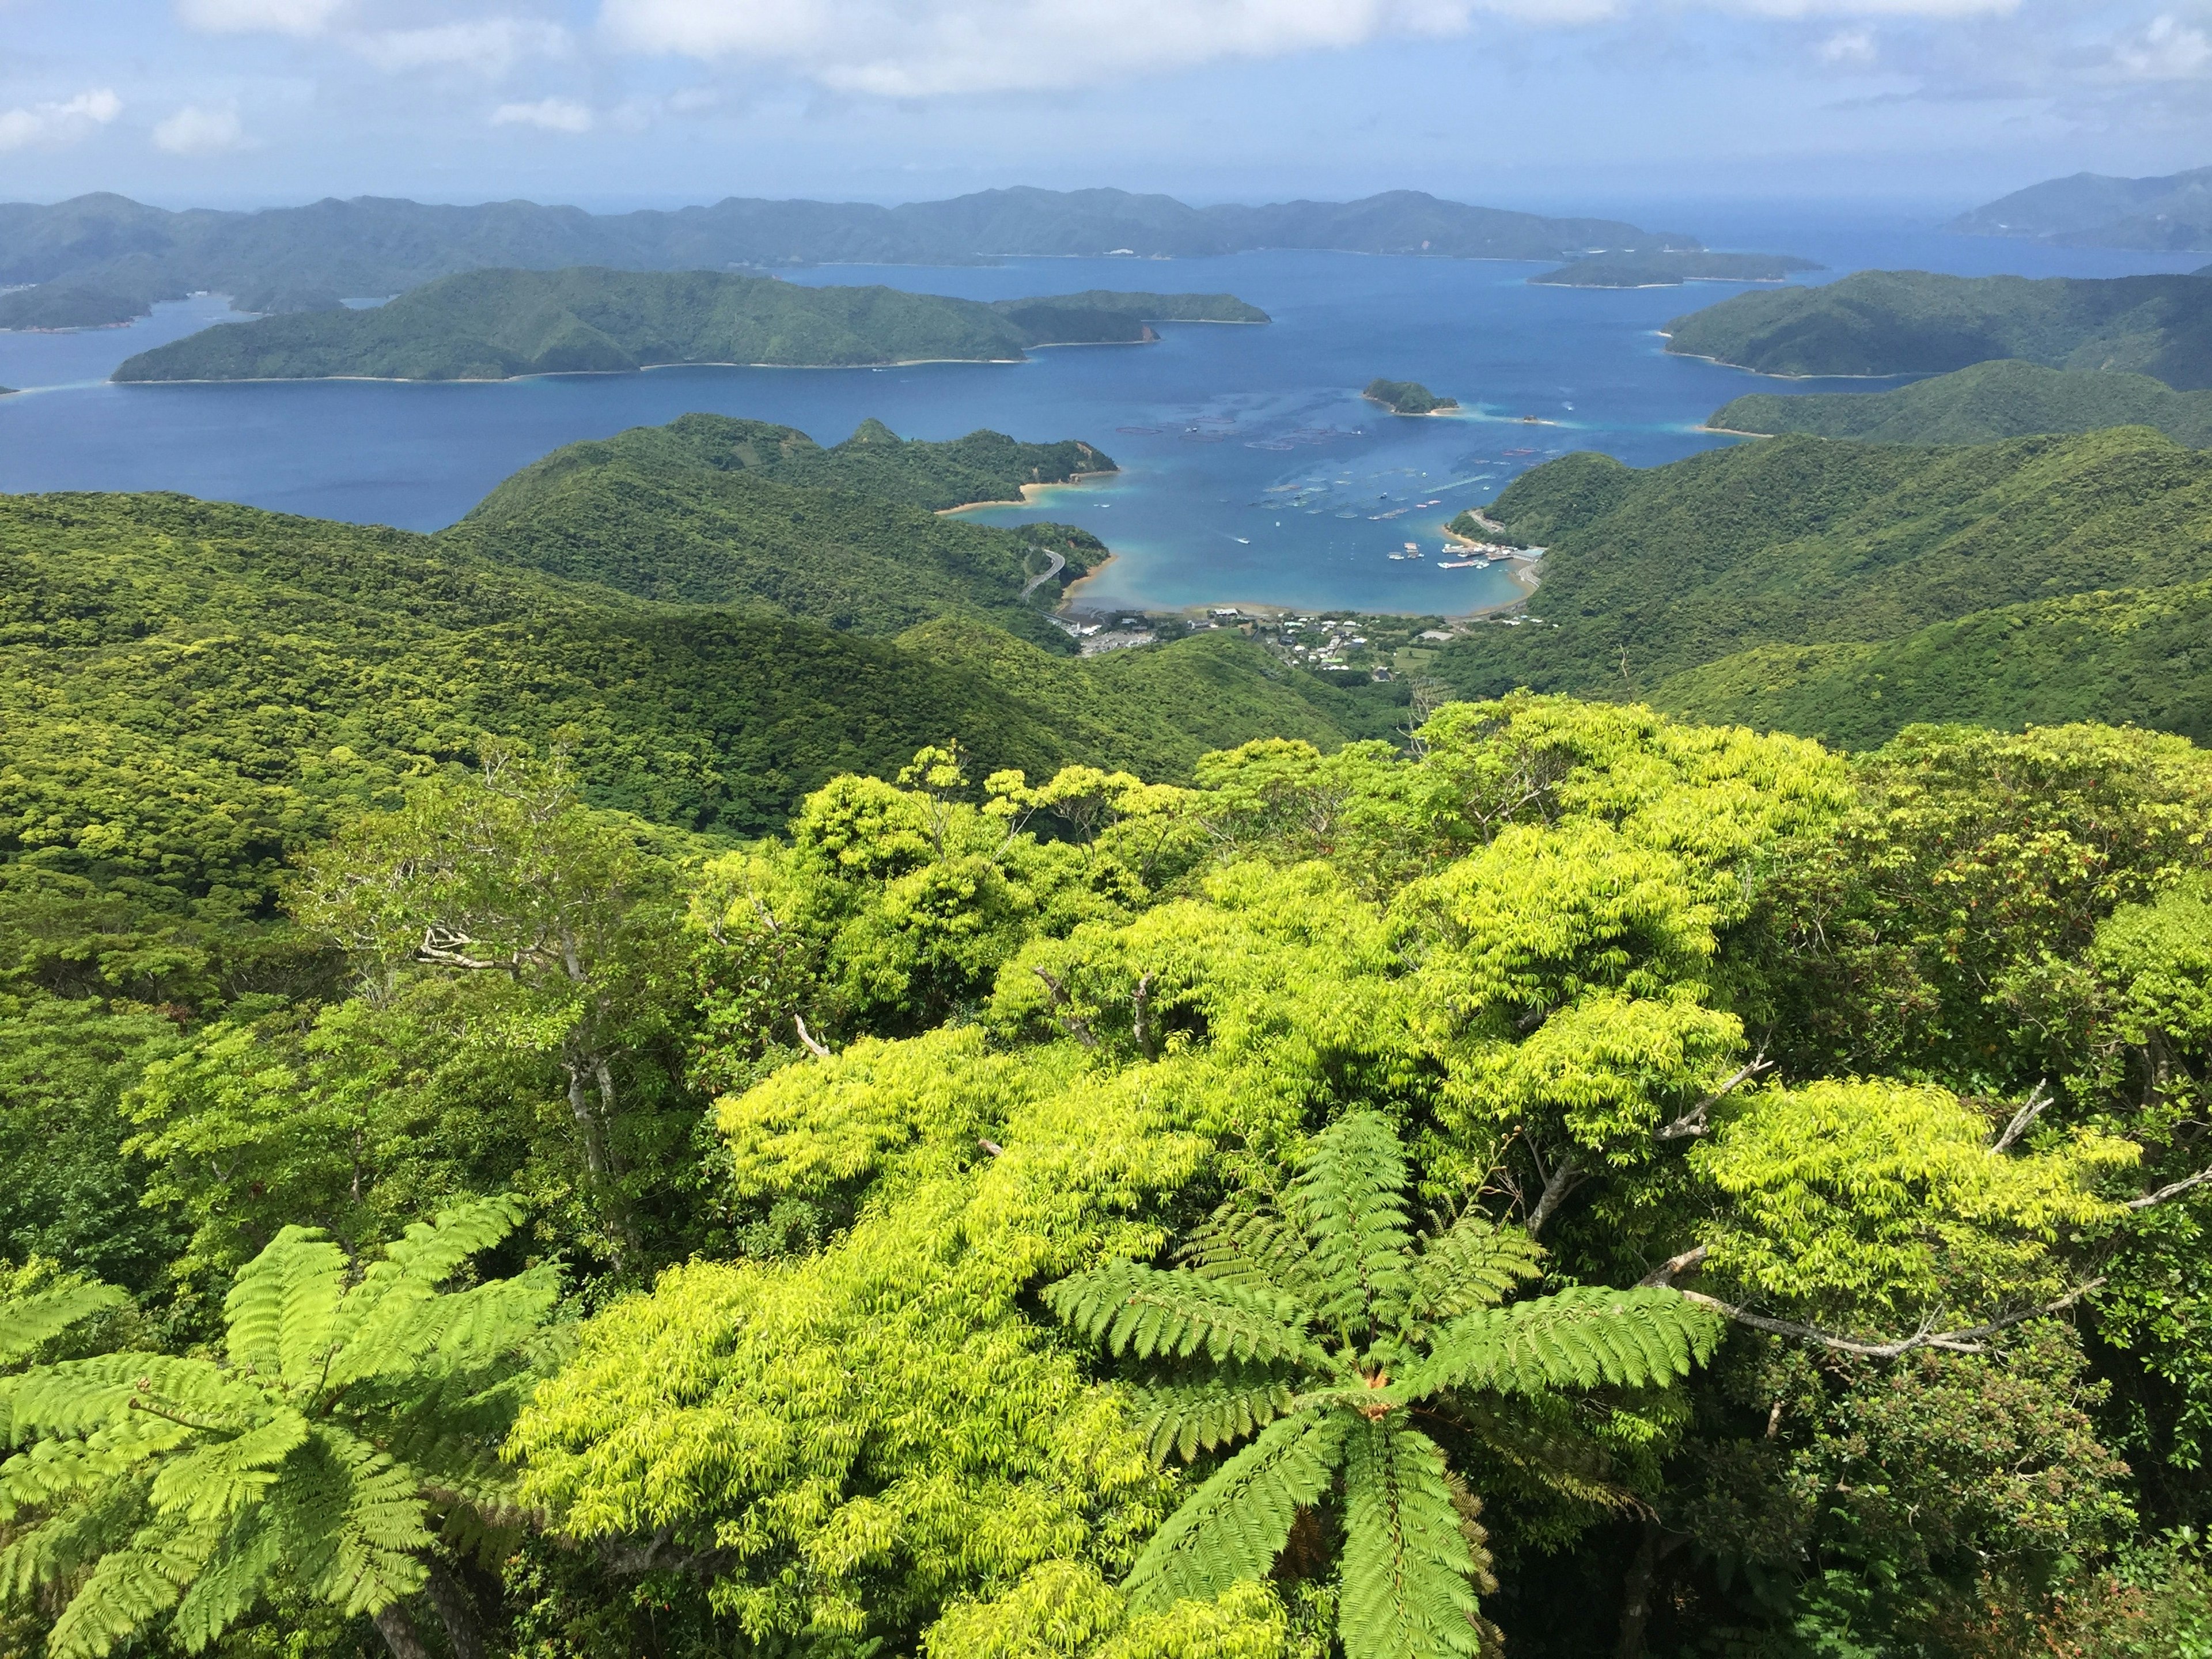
(492, 325)
(1982, 405)
(709, 510)
(1912, 322)
(1663, 269)
(64, 304)
(1801, 541)
(2089, 209)
(2136, 658)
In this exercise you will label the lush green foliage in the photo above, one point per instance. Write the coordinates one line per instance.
(1407, 397)
(1914, 322)
(1672, 269)
(61, 305)
(492, 325)
(1846, 590)
(1982, 405)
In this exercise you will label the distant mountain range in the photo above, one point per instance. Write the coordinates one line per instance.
(305, 258)
(2092, 211)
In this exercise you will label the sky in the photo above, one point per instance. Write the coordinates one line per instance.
(1571, 104)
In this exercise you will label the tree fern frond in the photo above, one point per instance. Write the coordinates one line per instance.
(127, 1591)
(223, 1474)
(1189, 1417)
(1237, 1246)
(1145, 1312)
(1580, 1339)
(432, 1252)
(373, 1559)
(437, 1334)
(1408, 1576)
(1554, 1455)
(1472, 1264)
(29, 1322)
(77, 1396)
(1351, 1200)
(103, 1517)
(228, 1587)
(1234, 1526)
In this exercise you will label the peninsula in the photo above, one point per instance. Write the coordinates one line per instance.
(1915, 322)
(498, 325)
(2090, 210)
(1664, 268)
(1408, 397)
(1982, 405)
(54, 306)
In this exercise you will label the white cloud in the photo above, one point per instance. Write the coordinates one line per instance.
(1849, 49)
(918, 48)
(194, 131)
(552, 114)
(260, 16)
(61, 123)
(493, 44)
(2169, 50)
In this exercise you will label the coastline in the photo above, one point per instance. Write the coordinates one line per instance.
(1777, 374)
(572, 373)
(1057, 483)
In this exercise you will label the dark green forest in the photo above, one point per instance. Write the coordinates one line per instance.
(1665, 268)
(2004, 398)
(1917, 322)
(493, 324)
(667, 1073)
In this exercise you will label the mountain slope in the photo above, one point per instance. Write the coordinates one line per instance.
(1914, 322)
(492, 325)
(710, 510)
(2090, 210)
(1806, 542)
(1982, 405)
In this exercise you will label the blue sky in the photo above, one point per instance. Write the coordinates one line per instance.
(1561, 103)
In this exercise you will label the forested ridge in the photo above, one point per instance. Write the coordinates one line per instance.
(664, 1072)
(495, 325)
(1984, 403)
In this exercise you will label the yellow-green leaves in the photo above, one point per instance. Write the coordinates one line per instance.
(1876, 1201)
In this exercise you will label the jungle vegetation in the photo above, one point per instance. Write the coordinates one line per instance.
(493, 324)
(1846, 590)
(1982, 405)
(1558, 1182)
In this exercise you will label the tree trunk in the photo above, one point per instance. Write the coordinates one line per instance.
(456, 1612)
(399, 1633)
(1652, 1546)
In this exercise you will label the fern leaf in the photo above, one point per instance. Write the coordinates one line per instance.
(376, 1529)
(230, 1584)
(438, 1334)
(1235, 1525)
(222, 1476)
(103, 1518)
(127, 1591)
(77, 1396)
(1579, 1338)
(415, 1265)
(1472, 1265)
(1351, 1200)
(1237, 1246)
(29, 1322)
(1408, 1575)
(1147, 1312)
(1189, 1417)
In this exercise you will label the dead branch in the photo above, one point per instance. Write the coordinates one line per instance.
(1693, 1122)
(992, 1147)
(2038, 1097)
(807, 1037)
(1069, 1021)
(1675, 1266)
(1966, 1340)
(1139, 1027)
(2171, 1190)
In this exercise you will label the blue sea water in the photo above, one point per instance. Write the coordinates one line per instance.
(1252, 472)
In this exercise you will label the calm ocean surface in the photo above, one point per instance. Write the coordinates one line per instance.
(1252, 471)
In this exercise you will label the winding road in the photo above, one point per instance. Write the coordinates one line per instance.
(1059, 563)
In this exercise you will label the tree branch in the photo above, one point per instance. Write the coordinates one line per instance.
(1566, 1175)
(1693, 1122)
(1674, 1266)
(1139, 1028)
(1966, 1340)
(807, 1037)
(2024, 1120)
(2171, 1190)
(1074, 1023)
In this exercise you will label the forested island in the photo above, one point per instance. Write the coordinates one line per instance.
(1981, 404)
(1407, 397)
(304, 258)
(1914, 322)
(666, 1071)
(65, 306)
(2091, 210)
(495, 325)
(1671, 268)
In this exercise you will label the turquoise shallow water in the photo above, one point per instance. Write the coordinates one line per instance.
(1252, 471)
